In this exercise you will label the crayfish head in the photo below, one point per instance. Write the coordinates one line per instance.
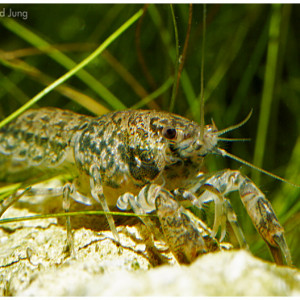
(191, 144)
(209, 140)
(185, 142)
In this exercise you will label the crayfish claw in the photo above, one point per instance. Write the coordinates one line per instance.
(281, 250)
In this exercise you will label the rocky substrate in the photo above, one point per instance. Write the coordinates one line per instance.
(33, 262)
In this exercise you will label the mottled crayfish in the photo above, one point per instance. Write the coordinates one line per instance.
(147, 161)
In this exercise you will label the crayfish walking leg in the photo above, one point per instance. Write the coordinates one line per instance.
(258, 208)
(180, 230)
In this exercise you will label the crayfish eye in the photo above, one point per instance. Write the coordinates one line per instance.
(169, 133)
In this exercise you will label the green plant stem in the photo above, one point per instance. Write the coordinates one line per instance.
(77, 213)
(63, 60)
(78, 67)
(174, 90)
(268, 89)
(154, 95)
(201, 96)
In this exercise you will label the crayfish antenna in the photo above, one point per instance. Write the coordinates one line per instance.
(244, 162)
(233, 127)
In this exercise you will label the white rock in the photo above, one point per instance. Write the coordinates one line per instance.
(34, 265)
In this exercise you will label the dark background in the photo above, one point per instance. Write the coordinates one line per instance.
(236, 59)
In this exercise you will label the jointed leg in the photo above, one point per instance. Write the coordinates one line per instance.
(6, 203)
(223, 210)
(257, 206)
(180, 232)
(67, 191)
(98, 195)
